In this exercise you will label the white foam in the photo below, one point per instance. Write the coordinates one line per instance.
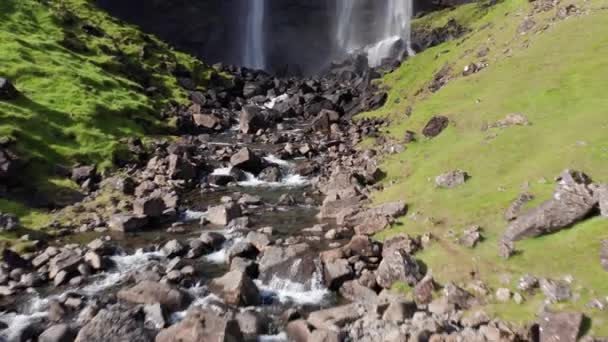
(288, 291)
(273, 101)
(271, 158)
(193, 215)
(280, 337)
(17, 322)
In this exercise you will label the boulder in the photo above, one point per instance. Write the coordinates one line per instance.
(7, 90)
(299, 331)
(362, 245)
(10, 167)
(555, 290)
(252, 119)
(127, 223)
(451, 179)
(13, 260)
(66, 261)
(602, 192)
(181, 168)
(560, 327)
(271, 174)
(224, 213)
(423, 291)
(398, 266)
(236, 288)
(150, 292)
(275, 255)
(572, 201)
(337, 317)
(82, 173)
(435, 126)
(8, 222)
(242, 249)
(173, 248)
(207, 121)
(247, 266)
(151, 206)
(514, 210)
(202, 325)
(248, 161)
(252, 324)
(353, 291)
(372, 224)
(212, 239)
(115, 324)
(323, 121)
(458, 297)
(58, 333)
(259, 240)
(336, 273)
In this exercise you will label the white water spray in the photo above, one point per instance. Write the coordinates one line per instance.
(254, 56)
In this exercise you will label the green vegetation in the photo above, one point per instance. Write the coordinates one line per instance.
(556, 76)
(87, 81)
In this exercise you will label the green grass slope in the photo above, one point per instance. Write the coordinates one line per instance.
(87, 81)
(556, 75)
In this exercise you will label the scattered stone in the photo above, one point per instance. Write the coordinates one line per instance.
(224, 213)
(8, 222)
(470, 237)
(572, 201)
(604, 254)
(435, 126)
(513, 119)
(336, 273)
(423, 291)
(398, 266)
(515, 208)
(127, 223)
(202, 325)
(151, 206)
(173, 248)
(560, 327)
(602, 192)
(555, 291)
(503, 295)
(115, 324)
(451, 179)
(247, 160)
(58, 333)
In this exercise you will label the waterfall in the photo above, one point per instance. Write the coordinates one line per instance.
(390, 26)
(254, 55)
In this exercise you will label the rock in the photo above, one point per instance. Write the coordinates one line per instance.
(115, 324)
(7, 90)
(470, 237)
(423, 291)
(336, 273)
(337, 317)
(299, 331)
(173, 248)
(181, 168)
(247, 266)
(242, 249)
(451, 179)
(259, 240)
(236, 288)
(66, 261)
(515, 208)
(150, 292)
(527, 283)
(560, 327)
(513, 119)
(602, 192)
(252, 119)
(271, 174)
(207, 121)
(223, 213)
(248, 161)
(13, 260)
(604, 254)
(503, 295)
(94, 260)
(202, 325)
(362, 245)
(373, 224)
(58, 333)
(398, 266)
(274, 255)
(8, 222)
(398, 311)
(323, 121)
(458, 297)
(82, 173)
(572, 201)
(354, 291)
(127, 223)
(212, 239)
(555, 291)
(151, 206)
(435, 126)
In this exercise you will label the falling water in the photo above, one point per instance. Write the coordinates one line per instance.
(254, 56)
(393, 18)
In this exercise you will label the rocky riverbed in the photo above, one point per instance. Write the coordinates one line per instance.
(253, 224)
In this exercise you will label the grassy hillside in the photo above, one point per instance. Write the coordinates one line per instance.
(556, 75)
(87, 81)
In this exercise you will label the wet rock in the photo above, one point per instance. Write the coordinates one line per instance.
(572, 201)
(516, 207)
(555, 290)
(212, 239)
(236, 288)
(155, 316)
(127, 223)
(435, 126)
(150, 292)
(398, 266)
(275, 255)
(151, 206)
(271, 174)
(224, 213)
(94, 260)
(242, 249)
(66, 261)
(115, 324)
(299, 331)
(173, 248)
(7, 90)
(336, 273)
(259, 240)
(451, 179)
(247, 160)
(247, 266)
(560, 327)
(58, 333)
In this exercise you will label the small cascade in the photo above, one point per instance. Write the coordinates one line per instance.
(345, 10)
(254, 54)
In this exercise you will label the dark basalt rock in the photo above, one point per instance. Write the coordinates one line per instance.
(7, 90)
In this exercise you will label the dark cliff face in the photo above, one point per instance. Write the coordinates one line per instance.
(299, 33)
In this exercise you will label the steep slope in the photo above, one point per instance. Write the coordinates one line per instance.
(546, 61)
(86, 81)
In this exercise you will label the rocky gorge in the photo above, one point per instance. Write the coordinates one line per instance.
(257, 220)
